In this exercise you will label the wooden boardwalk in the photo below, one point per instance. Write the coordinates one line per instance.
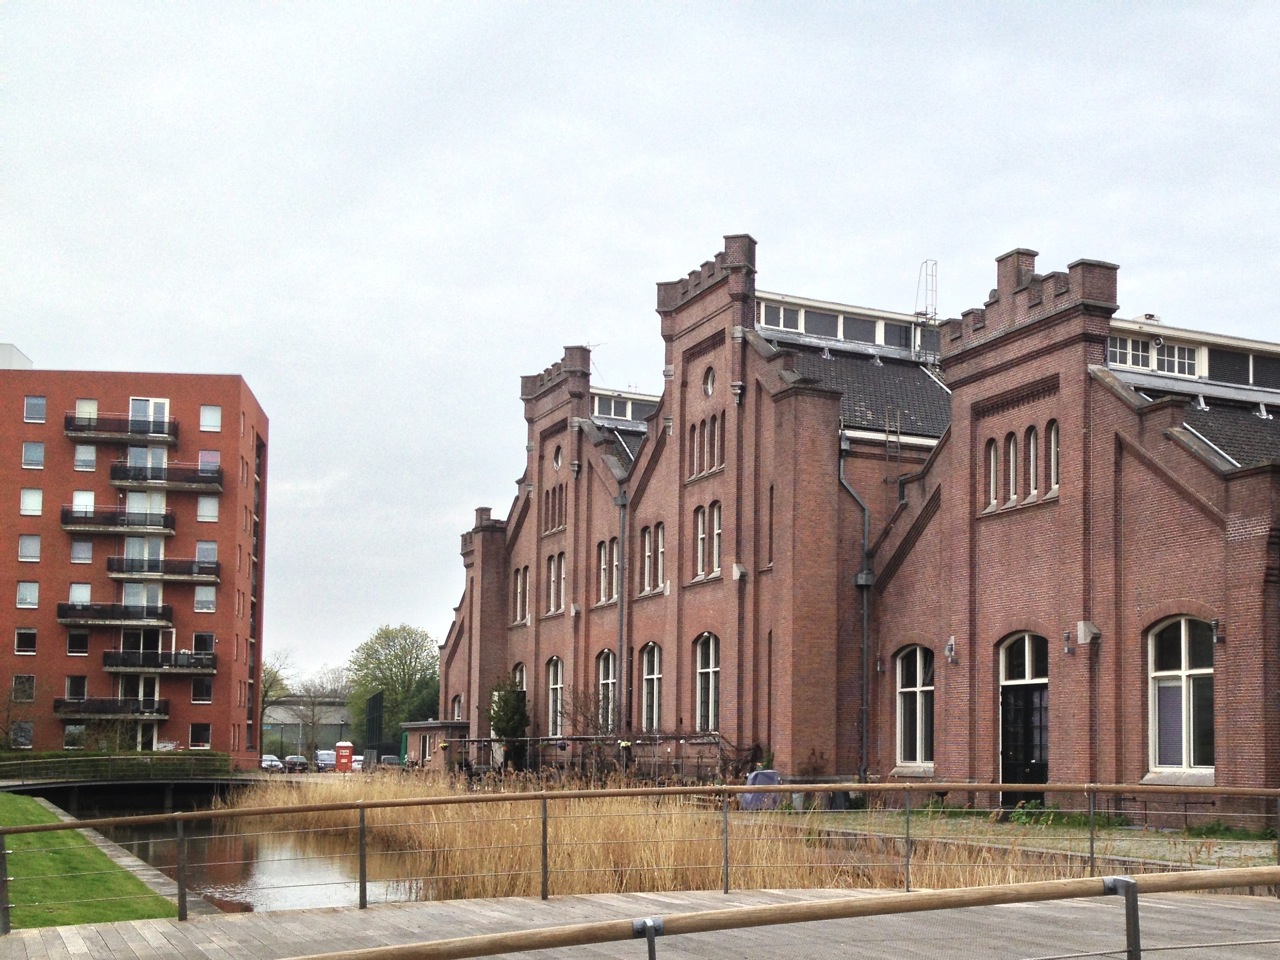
(1239, 928)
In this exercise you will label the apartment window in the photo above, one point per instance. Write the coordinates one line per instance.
(73, 736)
(206, 551)
(33, 409)
(201, 736)
(206, 599)
(208, 462)
(29, 548)
(24, 640)
(651, 693)
(207, 509)
(518, 676)
(716, 528)
(660, 551)
(24, 688)
(86, 457)
(86, 412)
(202, 689)
(20, 735)
(915, 706)
(32, 455)
(202, 642)
(210, 419)
(28, 594)
(82, 503)
(707, 659)
(1174, 358)
(700, 542)
(1182, 695)
(79, 593)
(1032, 445)
(606, 689)
(555, 697)
(82, 551)
(646, 560)
(31, 502)
(78, 643)
(1052, 457)
(1011, 467)
(77, 687)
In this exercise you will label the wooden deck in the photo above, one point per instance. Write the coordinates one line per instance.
(1242, 928)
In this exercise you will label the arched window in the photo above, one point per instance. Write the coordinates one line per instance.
(603, 574)
(615, 568)
(1052, 457)
(517, 598)
(713, 443)
(915, 706)
(716, 530)
(517, 676)
(1011, 468)
(555, 697)
(606, 689)
(993, 475)
(1032, 446)
(551, 584)
(646, 560)
(693, 449)
(706, 651)
(702, 447)
(456, 708)
(651, 693)
(562, 573)
(660, 559)
(1182, 695)
(699, 541)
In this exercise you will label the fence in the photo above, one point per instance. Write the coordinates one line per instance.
(463, 843)
(131, 766)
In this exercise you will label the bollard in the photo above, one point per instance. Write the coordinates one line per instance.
(546, 862)
(907, 844)
(181, 869)
(725, 834)
(1132, 932)
(364, 865)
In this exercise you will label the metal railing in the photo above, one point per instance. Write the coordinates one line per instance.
(76, 517)
(184, 567)
(159, 660)
(115, 613)
(181, 473)
(130, 766)
(119, 424)
(129, 707)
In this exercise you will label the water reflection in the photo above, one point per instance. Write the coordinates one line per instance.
(239, 870)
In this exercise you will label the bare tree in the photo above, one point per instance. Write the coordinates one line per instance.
(277, 674)
(315, 697)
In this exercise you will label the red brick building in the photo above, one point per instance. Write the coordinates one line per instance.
(135, 509)
(1022, 545)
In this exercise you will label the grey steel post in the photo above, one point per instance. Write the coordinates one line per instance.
(364, 863)
(546, 862)
(725, 834)
(181, 868)
(1132, 932)
(4, 884)
(1278, 840)
(907, 844)
(1093, 805)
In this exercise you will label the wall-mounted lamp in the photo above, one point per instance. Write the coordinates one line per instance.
(949, 650)
(1219, 635)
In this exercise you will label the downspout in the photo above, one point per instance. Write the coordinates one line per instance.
(863, 579)
(621, 501)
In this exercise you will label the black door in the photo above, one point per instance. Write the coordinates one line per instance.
(1024, 740)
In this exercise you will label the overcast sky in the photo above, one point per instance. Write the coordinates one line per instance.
(381, 215)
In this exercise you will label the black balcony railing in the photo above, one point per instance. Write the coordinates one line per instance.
(111, 707)
(164, 568)
(187, 474)
(114, 612)
(115, 517)
(159, 660)
(120, 424)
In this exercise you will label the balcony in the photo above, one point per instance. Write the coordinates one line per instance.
(103, 708)
(120, 427)
(115, 614)
(153, 568)
(116, 520)
(183, 661)
(173, 476)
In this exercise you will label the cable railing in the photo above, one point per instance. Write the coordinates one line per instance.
(500, 838)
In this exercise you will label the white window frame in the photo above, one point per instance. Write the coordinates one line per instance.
(615, 568)
(602, 556)
(518, 676)
(210, 418)
(1178, 359)
(700, 542)
(28, 595)
(29, 548)
(646, 560)
(31, 502)
(1011, 455)
(21, 696)
(195, 744)
(914, 671)
(993, 474)
(206, 509)
(717, 539)
(606, 688)
(651, 691)
(1033, 463)
(1183, 679)
(18, 648)
(206, 599)
(86, 458)
(29, 405)
(706, 660)
(660, 547)
(555, 697)
(32, 455)
(1054, 464)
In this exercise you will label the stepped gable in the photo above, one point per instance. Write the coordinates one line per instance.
(872, 386)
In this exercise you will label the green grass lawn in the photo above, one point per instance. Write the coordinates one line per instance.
(60, 877)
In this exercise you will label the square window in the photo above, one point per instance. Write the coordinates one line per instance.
(32, 455)
(200, 736)
(206, 600)
(77, 688)
(207, 509)
(209, 461)
(82, 551)
(79, 593)
(28, 595)
(29, 548)
(202, 689)
(31, 502)
(33, 409)
(78, 644)
(73, 736)
(24, 640)
(210, 419)
(24, 688)
(202, 643)
(20, 735)
(86, 456)
(86, 411)
(206, 551)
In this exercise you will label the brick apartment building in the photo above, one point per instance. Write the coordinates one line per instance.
(135, 507)
(1025, 545)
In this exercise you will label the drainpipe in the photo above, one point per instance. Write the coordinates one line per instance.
(621, 664)
(863, 579)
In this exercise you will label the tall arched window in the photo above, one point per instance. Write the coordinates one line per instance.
(651, 693)
(716, 523)
(615, 568)
(706, 650)
(1052, 457)
(517, 676)
(693, 449)
(456, 708)
(1182, 695)
(551, 584)
(603, 574)
(555, 697)
(700, 541)
(1011, 468)
(713, 443)
(1032, 446)
(702, 447)
(915, 706)
(993, 475)
(660, 560)
(562, 572)
(646, 560)
(517, 598)
(606, 689)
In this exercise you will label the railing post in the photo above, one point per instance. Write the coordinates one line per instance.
(4, 884)
(1093, 806)
(546, 860)
(364, 864)
(1132, 931)
(907, 844)
(725, 834)
(181, 869)
(1278, 841)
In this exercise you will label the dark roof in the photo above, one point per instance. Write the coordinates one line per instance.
(875, 390)
(1238, 431)
(624, 436)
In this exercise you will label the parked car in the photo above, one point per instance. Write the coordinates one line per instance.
(390, 760)
(326, 760)
(357, 764)
(296, 764)
(271, 763)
